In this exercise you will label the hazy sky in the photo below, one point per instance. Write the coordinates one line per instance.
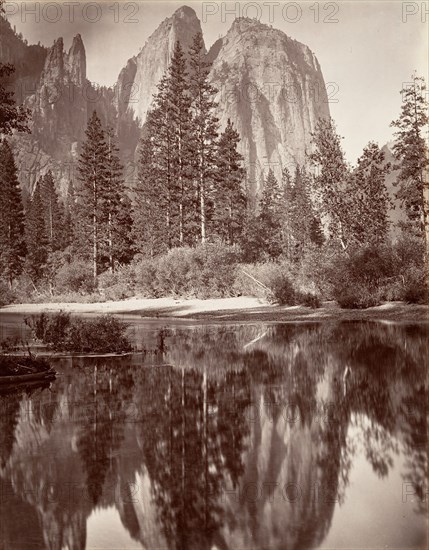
(367, 50)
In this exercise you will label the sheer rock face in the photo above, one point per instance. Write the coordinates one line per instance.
(28, 60)
(154, 58)
(269, 85)
(61, 101)
(272, 88)
(59, 105)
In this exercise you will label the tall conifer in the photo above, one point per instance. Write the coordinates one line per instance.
(12, 239)
(37, 238)
(205, 124)
(229, 195)
(93, 182)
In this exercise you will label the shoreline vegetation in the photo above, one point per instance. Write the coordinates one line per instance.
(237, 309)
(192, 224)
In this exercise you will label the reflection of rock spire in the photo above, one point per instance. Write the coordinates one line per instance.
(180, 409)
(346, 378)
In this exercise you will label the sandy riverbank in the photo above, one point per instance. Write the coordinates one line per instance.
(243, 308)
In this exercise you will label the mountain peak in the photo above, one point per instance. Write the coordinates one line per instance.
(77, 41)
(77, 47)
(58, 44)
(185, 11)
(247, 22)
(154, 57)
(77, 61)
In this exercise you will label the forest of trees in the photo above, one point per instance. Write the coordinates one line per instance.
(325, 221)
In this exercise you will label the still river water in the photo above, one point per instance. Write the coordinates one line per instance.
(290, 436)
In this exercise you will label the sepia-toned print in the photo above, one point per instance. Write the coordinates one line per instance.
(214, 275)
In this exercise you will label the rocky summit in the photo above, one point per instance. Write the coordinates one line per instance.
(269, 85)
(138, 80)
(272, 87)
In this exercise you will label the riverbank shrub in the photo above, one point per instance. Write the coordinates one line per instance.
(361, 276)
(61, 332)
(7, 296)
(118, 285)
(207, 271)
(415, 286)
(74, 277)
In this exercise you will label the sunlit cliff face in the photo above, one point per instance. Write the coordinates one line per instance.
(244, 440)
(270, 86)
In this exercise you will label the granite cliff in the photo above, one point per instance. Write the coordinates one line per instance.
(270, 86)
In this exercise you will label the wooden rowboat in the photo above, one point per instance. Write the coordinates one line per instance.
(24, 378)
(23, 370)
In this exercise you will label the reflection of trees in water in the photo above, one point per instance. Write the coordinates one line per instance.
(192, 429)
(101, 431)
(9, 417)
(44, 473)
(242, 405)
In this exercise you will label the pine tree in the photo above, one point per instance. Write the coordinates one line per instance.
(370, 220)
(331, 181)
(205, 129)
(115, 208)
(93, 182)
(69, 218)
(269, 218)
(229, 196)
(182, 150)
(317, 236)
(123, 248)
(161, 131)
(301, 212)
(12, 240)
(411, 150)
(252, 241)
(149, 227)
(37, 239)
(286, 212)
(52, 210)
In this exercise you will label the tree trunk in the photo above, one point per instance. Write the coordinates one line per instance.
(202, 209)
(110, 243)
(95, 246)
(181, 193)
(181, 220)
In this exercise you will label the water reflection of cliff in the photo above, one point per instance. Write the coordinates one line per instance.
(245, 441)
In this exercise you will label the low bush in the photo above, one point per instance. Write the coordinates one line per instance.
(105, 334)
(207, 271)
(50, 329)
(310, 300)
(316, 274)
(409, 253)
(22, 291)
(269, 280)
(362, 275)
(76, 276)
(61, 332)
(118, 285)
(7, 296)
(415, 286)
(283, 290)
(258, 279)
(357, 296)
